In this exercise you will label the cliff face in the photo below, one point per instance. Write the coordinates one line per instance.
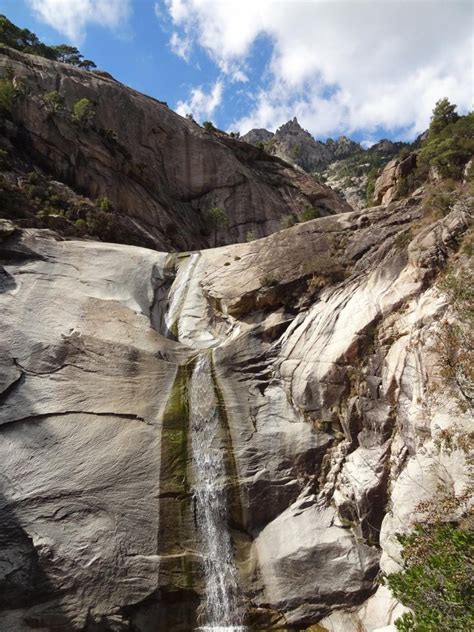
(160, 172)
(323, 354)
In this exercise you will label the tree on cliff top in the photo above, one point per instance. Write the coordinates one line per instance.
(443, 114)
(27, 42)
(450, 141)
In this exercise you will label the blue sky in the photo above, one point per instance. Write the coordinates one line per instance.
(365, 68)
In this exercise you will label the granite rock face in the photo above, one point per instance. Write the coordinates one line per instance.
(296, 145)
(322, 359)
(160, 171)
(387, 184)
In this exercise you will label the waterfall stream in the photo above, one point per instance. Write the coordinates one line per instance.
(187, 320)
(221, 604)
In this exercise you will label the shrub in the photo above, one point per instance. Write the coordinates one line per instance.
(54, 101)
(33, 178)
(371, 180)
(104, 203)
(307, 214)
(7, 95)
(208, 126)
(83, 111)
(436, 580)
(109, 135)
(81, 225)
(454, 343)
(404, 153)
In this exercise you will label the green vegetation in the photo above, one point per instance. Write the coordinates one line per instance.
(307, 214)
(454, 345)
(109, 135)
(54, 101)
(370, 187)
(217, 218)
(83, 112)
(104, 203)
(450, 141)
(436, 580)
(8, 94)
(27, 42)
(208, 126)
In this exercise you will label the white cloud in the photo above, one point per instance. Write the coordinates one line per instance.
(340, 65)
(180, 45)
(201, 104)
(71, 17)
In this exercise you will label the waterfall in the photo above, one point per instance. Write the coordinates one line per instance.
(178, 292)
(221, 598)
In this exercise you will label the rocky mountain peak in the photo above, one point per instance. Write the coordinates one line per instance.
(344, 147)
(296, 145)
(292, 127)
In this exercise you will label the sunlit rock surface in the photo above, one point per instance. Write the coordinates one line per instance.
(320, 339)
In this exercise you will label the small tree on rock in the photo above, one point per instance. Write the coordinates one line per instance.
(217, 218)
(83, 111)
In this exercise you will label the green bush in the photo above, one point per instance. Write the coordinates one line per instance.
(371, 180)
(109, 135)
(83, 112)
(104, 203)
(54, 101)
(307, 214)
(450, 141)
(81, 225)
(436, 580)
(8, 94)
(208, 126)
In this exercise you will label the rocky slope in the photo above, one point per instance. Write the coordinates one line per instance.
(160, 173)
(354, 177)
(324, 356)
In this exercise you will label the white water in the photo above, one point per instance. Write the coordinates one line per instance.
(221, 598)
(179, 290)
